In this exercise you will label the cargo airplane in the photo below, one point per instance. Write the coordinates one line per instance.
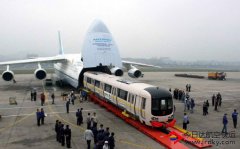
(99, 53)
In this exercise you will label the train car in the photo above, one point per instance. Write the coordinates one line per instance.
(149, 104)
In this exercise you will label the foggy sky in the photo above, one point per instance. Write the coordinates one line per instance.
(179, 29)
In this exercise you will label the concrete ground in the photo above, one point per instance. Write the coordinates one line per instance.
(18, 127)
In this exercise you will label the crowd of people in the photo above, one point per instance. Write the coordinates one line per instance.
(102, 138)
(189, 105)
(63, 134)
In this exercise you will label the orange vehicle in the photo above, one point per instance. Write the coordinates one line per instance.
(217, 75)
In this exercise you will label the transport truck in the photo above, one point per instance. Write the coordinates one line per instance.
(217, 75)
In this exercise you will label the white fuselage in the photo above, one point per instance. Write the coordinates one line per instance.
(69, 70)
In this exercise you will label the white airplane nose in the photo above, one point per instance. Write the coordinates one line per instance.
(98, 27)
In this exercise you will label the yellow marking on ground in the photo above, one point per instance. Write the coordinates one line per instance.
(60, 118)
(57, 115)
(16, 122)
(188, 133)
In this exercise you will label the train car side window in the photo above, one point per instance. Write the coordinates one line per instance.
(122, 94)
(88, 80)
(132, 100)
(92, 81)
(97, 83)
(143, 103)
(129, 97)
(107, 88)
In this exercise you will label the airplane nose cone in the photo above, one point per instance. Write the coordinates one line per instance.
(98, 27)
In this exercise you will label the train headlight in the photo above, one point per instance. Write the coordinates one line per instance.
(154, 118)
(171, 117)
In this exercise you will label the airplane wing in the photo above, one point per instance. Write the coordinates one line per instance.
(35, 60)
(128, 64)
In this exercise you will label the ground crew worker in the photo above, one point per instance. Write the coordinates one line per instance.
(42, 99)
(62, 135)
(213, 99)
(38, 115)
(67, 106)
(34, 95)
(185, 121)
(31, 95)
(234, 117)
(189, 87)
(111, 141)
(53, 97)
(81, 116)
(106, 133)
(78, 117)
(58, 132)
(56, 129)
(219, 99)
(42, 116)
(95, 120)
(95, 133)
(88, 136)
(88, 120)
(216, 104)
(192, 104)
(100, 138)
(72, 97)
(68, 134)
(225, 122)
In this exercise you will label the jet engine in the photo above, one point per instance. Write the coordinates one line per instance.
(40, 73)
(117, 71)
(134, 72)
(8, 75)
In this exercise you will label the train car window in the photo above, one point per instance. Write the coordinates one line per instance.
(88, 80)
(92, 81)
(143, 103)
(132, 101)
(122, 94)
(129, 97)
(163, 104)
(97, 83)
(107, 88)
(155, 104)
(170, 104)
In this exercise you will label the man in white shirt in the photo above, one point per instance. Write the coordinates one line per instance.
(88, 136)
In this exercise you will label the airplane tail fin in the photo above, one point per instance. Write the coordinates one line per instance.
(61, 52)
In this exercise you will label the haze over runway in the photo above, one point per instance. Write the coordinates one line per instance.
(183, 30)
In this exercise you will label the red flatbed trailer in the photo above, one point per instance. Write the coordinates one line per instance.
(153, 133)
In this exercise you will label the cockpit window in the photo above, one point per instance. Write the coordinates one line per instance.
(162, 106)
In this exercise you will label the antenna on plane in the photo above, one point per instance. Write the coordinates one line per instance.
(60, 44)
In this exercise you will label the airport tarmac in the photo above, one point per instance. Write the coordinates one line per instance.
(18, 127)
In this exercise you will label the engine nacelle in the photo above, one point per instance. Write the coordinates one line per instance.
(117, 71)
(8, 75)
(40, 74)
(134, 73)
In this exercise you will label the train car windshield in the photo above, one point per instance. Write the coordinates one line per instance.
(162, 106)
